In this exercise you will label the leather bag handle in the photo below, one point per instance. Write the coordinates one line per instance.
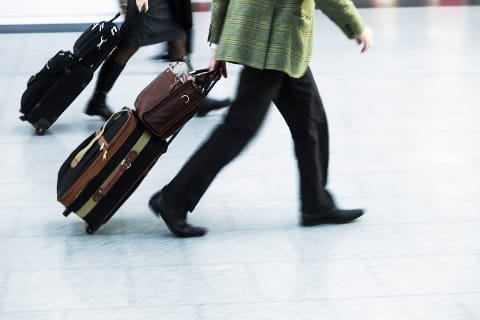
(206, 79)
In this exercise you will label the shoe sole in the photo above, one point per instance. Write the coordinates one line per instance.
(328, 221)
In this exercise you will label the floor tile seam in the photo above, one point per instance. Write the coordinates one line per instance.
(23, 235)
(246, 265)
(67, 310)
(173, 305)
(365, 225)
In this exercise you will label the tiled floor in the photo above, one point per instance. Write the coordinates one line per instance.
(405, 144)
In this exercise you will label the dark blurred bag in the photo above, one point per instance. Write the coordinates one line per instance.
(50, 91)
(173, 98)
(40, 82)
(97, 42)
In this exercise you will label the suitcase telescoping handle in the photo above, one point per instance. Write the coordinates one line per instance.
(115, 17)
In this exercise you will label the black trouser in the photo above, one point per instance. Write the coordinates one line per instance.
(299, 103)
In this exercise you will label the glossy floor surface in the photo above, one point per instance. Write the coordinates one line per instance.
(405, 142)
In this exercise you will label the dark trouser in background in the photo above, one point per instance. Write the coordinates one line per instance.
(299, 103)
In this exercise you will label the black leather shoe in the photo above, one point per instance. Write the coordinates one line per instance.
(175, 219)
(336, 216)
(209, 104)
(97, 109)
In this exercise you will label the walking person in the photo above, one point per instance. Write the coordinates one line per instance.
(273, 41)
(152, 22)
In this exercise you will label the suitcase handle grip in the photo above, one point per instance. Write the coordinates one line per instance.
(206, 79)
(116, 16)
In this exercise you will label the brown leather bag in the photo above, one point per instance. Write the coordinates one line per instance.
(173, 97)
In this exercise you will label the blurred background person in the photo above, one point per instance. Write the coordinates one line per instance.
(151, 22)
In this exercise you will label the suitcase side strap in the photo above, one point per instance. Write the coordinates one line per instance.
(100, 161)
(99, 134)
(117, 173)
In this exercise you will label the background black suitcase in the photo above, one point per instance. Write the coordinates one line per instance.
(40, 82)
(106, 168)
(50, 91)
(53, 89)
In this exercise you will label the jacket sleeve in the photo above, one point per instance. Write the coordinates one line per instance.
(219, 11)
(344, 14)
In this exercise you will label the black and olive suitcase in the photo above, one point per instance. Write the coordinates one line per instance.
(106, 168)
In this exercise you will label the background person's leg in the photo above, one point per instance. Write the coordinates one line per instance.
(108, 74)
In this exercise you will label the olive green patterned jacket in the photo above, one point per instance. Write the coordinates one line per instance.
(275, 34)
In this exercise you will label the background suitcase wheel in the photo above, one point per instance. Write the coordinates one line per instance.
(91, 229)
(40, 131)
(41, 126)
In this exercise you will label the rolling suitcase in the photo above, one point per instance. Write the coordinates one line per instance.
(50, 91)
(106, 168)
(53, 89)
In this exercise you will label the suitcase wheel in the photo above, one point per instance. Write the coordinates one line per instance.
(66, 212)
(42, 125)
(91, 229)
(40, 131)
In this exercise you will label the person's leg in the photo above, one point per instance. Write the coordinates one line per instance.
(177, 51)
(255, 92)
(301, 106)
(108, 74)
